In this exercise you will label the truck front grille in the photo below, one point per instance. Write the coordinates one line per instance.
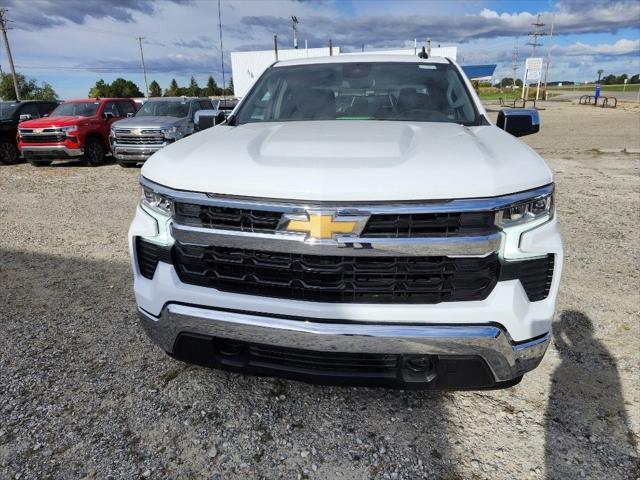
(146, 137)
(430, 225)
(340, 279)
(389, 226)
(209, 216)
(47, 138)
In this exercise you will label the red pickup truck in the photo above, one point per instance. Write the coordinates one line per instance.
(75, 129)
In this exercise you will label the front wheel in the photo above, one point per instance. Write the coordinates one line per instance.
(93, 152)
(8, 152)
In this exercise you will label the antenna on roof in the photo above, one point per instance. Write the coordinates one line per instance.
(423, 53)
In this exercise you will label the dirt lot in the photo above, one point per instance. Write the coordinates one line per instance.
(84, 393)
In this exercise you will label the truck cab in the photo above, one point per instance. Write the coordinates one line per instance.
(76, 129)
(11, 115)
(160, 122)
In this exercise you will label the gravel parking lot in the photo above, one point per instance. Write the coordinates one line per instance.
(84, 393)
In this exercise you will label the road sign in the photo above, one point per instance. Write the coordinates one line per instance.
(533, 68)
(597, 90)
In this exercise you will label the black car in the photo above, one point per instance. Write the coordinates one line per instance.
(12, 113)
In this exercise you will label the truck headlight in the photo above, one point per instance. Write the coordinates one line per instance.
(69, 130)
(155, 201)
(169, 132)
(525, 212)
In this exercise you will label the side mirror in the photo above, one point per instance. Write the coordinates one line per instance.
(108, 115)
(24, 117)
(129, 115)
(204, 119)
(519, 121)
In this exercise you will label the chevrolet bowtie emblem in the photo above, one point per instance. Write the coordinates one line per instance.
(37, 130)
(322, 226)
(136, 131)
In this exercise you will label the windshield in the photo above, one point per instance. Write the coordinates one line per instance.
(422, 92)
(164, 109)
(76, 109)
(7, 109)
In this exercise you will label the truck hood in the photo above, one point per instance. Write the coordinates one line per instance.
(149, 122)
(350, 161)
(63, 121)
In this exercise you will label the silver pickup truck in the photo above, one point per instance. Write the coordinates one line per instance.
(158, 123)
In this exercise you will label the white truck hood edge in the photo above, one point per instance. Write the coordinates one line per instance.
(350, 161)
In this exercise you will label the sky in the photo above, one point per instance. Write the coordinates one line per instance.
(73, 43)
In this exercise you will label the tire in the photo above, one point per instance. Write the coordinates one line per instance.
(93, 152)
(9, 152)
(39, 163)
(126, 164)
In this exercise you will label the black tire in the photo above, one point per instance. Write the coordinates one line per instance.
(39, 163)
(127, 164)
(9, 152)
(93, 152)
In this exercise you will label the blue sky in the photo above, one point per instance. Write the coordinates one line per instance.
(73, 43)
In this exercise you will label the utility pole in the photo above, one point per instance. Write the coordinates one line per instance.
(294, 26)
(3, 26)
(534, 36)
(144, 68)
(275, 46)
(546, 68)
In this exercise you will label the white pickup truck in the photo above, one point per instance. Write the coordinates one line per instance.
(358, 220)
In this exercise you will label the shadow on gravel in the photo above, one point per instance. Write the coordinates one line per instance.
(586, 418)
(77, 369)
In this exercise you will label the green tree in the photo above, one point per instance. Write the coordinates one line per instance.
(173, 90)
(635, 78)
(124, 88)
(154, 89)
(229, 89)
(100, 90)
(193, 90)
(46, 92)
(212, 88)
(28, 88)
(506, 82)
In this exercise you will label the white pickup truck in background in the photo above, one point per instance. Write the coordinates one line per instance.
(358, 220)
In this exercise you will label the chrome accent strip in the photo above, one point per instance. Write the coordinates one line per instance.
(351, 208)
(48, 148)
(505, 359)
(290, 242)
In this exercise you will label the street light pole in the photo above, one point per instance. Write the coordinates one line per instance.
(144, 68)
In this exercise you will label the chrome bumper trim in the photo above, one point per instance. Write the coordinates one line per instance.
(506, 359)
(134, 152)
(72, 152)
(471, 246)
(351, 208)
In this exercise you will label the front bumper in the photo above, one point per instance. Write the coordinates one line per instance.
(51, 151)
(506, 360)
(134, 153)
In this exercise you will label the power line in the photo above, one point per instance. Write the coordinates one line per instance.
(3, 26)
(535, 35)
(144, 68)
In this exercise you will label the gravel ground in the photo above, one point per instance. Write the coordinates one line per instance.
(84, 393)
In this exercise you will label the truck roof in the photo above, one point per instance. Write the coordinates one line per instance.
(175, 99)
(360, 58)
(91, 100)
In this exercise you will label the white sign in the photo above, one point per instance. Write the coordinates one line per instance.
(533, 69)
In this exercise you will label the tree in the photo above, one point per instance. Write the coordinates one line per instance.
(229, 89)
(173, 90)
(154, 89)
(506, 82)
(100, 90)
(635, 78)
(46, 92)
(212, 88)
(518, 82)
(193, 90)
(124, 88)
(28, 88)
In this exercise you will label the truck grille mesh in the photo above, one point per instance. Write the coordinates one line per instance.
(390, 226)
(337, 278)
